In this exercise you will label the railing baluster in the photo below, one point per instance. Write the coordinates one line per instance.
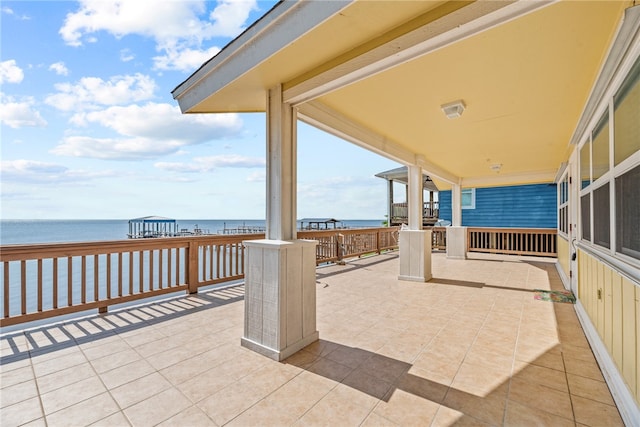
(130, 273)
(40, 289)
(141, 271)
(160, 266)
(7, 293)
(169, 263)
(69, 281)
(83, 269)
(96, 279)
(119, 274)
(108, 279)
(177, 266)
(23, 286)
(151, 256)
(55, 283)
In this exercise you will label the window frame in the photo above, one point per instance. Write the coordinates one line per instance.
(471, 205)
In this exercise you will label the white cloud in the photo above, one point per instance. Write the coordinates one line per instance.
(91, 92)
(146, 132)
(126, 55)
(183, 59)
(174, 25)
(10, 72)
(7, 10)
(59, 68)
(30, 171)
(211, 163)
(257, 176)
(19, 113)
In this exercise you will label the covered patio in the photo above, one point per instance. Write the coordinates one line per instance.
(472, 347)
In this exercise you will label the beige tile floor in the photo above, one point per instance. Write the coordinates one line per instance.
(471, 347)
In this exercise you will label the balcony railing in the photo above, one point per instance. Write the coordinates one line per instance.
(45, 280)
(513, 241)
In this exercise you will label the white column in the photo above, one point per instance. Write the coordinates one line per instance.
(280, 271)
(416, 201)
(281, 168)
(415, 243)
(456, 234)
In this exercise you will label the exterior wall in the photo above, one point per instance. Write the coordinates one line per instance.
(612, 303)
(524, 206)
(563, 254)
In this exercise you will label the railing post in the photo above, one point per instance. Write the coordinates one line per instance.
(340, 248)
(192, 268)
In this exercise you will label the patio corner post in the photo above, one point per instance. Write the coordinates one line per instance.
(280, 270)
(415, 243)
(456, 234)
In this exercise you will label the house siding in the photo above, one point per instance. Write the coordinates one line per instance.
(525, 206)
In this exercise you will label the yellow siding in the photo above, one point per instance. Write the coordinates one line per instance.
(563, 254)
(629, 331)
(616, 316)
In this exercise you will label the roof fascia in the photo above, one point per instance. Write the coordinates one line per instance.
(327, 119)
(282, 25)
(456, 26)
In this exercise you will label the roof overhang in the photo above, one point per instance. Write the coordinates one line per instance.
(377, 73)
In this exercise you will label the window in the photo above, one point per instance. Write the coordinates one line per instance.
(600, 146)
(601, 221)
(610, 187)
(468, 196)
(625, 118)
(585, 216)
(628, 213)
(563, 205)
(585, 165)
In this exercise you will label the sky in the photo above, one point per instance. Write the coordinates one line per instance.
(89, 129)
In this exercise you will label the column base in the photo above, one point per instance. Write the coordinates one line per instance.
(457, 242)
(415, 255)
(279, 355)
(280, 296)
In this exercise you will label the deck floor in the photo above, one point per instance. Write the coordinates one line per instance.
(471, 347)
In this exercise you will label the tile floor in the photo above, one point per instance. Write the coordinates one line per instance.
(471, 347)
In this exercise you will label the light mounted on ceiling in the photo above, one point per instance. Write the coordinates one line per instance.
(454, 109)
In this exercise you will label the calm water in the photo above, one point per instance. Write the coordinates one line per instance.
(47, 231)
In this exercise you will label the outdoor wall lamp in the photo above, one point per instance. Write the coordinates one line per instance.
(453, 109)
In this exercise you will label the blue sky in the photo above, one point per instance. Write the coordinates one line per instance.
(89, 128)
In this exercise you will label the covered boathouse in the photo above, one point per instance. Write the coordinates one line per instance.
(473, 94)
(152, 226)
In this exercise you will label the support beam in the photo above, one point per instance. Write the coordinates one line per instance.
(416, 200)
(281, 168)
(456, 234)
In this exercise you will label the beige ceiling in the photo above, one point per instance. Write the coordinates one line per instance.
(525, 83)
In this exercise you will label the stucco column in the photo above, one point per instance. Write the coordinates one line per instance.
(456, 234)
(280, 271)
(415, 243)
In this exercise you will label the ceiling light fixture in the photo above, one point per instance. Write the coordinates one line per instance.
(453, 109)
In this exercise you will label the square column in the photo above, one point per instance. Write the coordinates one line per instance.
(457, 242)
(280, 297)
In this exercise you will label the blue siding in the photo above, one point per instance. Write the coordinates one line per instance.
(529, 206)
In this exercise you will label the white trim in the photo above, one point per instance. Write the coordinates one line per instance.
(286, 22)
(325, 118)
(454, 27)
(629, 410)
(472, 205)
(543, 176)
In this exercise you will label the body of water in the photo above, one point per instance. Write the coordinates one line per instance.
(14, 231)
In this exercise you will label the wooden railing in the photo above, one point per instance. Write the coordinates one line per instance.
(439, 238)
(336, 245)
(45, 280)
(513, 241)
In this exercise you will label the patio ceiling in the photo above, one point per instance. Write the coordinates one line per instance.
(376, 73)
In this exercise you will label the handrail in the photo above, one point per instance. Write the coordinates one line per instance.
(513, 241)
(45, 280)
